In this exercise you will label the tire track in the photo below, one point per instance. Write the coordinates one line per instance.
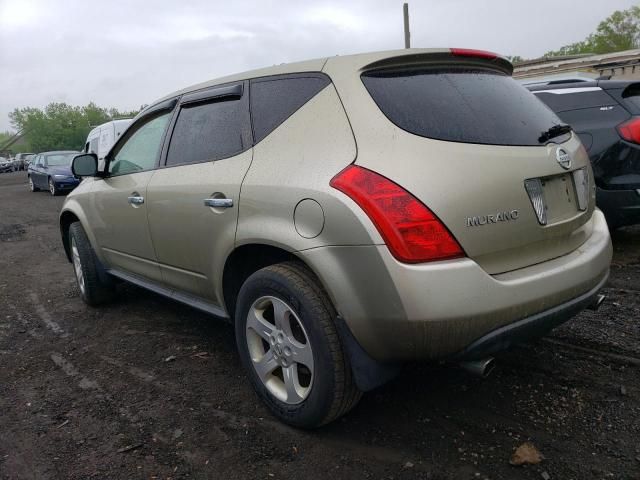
(45, 316)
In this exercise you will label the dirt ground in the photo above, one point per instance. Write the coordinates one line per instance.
(88, 392)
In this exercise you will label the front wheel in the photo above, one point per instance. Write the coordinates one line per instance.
(32, 186)
(94, 287)
(289, 346)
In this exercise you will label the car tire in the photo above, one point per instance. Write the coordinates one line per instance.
(306, 379)
(32, 186)
(95, 286)
(52, 187)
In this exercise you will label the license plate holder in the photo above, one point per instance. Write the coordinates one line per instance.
(553, 198)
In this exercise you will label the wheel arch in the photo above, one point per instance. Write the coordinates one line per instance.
(72, 212)
(247, 259)
(67, 217)
(244, 261)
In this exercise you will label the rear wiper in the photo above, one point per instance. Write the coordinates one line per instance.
(554, 131)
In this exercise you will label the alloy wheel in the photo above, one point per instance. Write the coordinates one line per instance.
(280, 349)
(77, 265)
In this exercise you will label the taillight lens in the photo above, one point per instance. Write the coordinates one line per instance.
(630, 130)
(411, 231)
(470, 52)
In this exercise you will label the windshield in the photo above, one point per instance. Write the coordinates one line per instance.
(60, 159)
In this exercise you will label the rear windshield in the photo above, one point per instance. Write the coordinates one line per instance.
(60, 159)
(460, 105)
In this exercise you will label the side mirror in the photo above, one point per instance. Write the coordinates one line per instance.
(85, 165)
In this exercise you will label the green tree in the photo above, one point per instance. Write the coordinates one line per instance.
(4, 137)
(60, 126)
(18, 146)
(516, 59)
(620, 31)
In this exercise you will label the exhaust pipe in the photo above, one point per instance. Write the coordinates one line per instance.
(595, 305)
(481, 368)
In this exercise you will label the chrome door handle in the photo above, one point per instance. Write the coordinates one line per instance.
(135, 200)
(218, 202)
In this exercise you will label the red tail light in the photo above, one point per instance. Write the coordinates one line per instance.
(411, 231)
(630, 130)
(470, 52)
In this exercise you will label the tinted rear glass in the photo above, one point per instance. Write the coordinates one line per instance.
(275, 99)
(460, 105)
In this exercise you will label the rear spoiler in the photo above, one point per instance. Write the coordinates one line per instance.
(455, 56)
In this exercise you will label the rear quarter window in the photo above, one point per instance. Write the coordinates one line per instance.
(274, 99)
(460, 105)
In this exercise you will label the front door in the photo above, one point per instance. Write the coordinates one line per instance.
(193, 201)
(120, 204)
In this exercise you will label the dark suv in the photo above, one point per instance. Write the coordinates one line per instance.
(606, 116)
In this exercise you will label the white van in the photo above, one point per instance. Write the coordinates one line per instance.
(101, 139)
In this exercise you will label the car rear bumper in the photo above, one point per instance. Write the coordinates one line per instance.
(534, 326)
(437, 310)
(621, 207)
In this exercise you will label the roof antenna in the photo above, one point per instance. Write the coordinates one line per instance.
(407, 34)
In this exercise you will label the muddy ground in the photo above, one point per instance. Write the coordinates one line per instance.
(87, 393)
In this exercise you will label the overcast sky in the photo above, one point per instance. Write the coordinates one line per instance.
(125, 53)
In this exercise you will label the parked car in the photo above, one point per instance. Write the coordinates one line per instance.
(348, 214)
(605, 114)
(28, 159)
(5, 165)
(101, 138)
(21, 159)
(52, 171)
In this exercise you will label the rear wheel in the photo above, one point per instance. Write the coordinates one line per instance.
(32, 186)
(52, 187)
(94, 288)
(290, 348)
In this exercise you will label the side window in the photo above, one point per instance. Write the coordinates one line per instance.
(274, 99)
(140, 151)
(209, 131)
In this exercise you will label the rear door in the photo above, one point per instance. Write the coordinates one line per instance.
(466, 139)
(193, 200)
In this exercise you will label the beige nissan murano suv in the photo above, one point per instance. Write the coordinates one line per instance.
(348, 214)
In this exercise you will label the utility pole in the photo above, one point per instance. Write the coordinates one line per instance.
(407, 34)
